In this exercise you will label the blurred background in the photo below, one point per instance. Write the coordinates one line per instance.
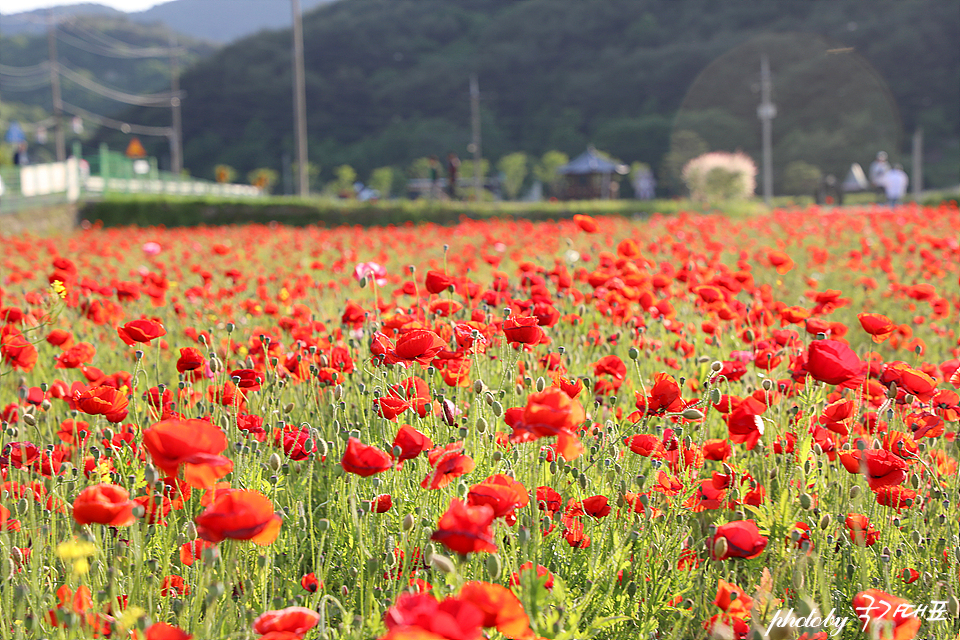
(524, 86)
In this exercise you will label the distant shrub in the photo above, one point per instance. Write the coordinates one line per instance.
(719, 176)
(801, 178)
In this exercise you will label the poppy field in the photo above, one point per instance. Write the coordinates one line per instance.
(683, 426)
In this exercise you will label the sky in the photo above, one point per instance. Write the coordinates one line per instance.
(16, 6)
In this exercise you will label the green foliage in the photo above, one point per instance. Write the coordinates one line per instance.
(801, 178)
(122, 210)
(342, 185)
(382, 180)
(514, 170)
(264, 178)
(387, 82)
(546, 170)
(224, 173)
(684, 147)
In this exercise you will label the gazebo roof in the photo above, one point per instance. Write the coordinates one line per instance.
(589, 162)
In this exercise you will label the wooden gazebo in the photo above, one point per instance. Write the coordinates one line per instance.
(589, 176)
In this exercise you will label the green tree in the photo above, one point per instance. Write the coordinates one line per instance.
(514, 170)
(684, 147)
(382, 180)
(801, 178)
(264, 177)
(546, 170)
(342, 185)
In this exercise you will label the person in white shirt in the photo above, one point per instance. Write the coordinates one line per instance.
(878, 168)
(895, 184)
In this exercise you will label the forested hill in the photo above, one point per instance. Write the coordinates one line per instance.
(387, 80)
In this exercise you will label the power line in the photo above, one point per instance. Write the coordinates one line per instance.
(112, 47)
(149, 100)
(43, 67)
(97, 49)
(125, 127)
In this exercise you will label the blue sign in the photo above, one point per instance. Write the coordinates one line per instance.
(15, 134)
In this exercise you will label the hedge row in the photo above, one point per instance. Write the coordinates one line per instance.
(142, 211)
(147, 211)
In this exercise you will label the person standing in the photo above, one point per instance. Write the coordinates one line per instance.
(895, 184)
(879, 168)
(453, 167)
(434, 164)
(20, 157)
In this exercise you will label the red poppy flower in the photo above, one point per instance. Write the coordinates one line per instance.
(501, 493)
(500, 607)
(743, 540)
(910, 575)
(364, 460)
(886, 616)
(291, 623)
(523, 330)
(882, 468)
(390, 406)
(141, 331)
(164, 631)
(190, 551)
(104, 504)
(16, 350)
(191, 444)
(586, 223)
(6, 522)
(744, 424)
(448, 462)
(465, 529)
(418, 345)
(879, 326)
(411, 443)
(834, 362)
(861, 530)
(541, 571)
(780, 261)
(247, 379)
(239, 515)
(382, 503)
(437, 282)
(310, 583)
(419, 616)
(190, 360)
(102, 400)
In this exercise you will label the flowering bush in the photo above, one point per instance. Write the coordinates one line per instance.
(719, 176)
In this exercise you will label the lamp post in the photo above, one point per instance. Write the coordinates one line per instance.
(299, 101)
(766, 111)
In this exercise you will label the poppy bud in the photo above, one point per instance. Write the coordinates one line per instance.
(854, 491)
(909, 398)
(541, 384)
(720, 548)
(634, 353)
(805, 502)
(494, 566)
(481, 425)
(692, 414)
(323, 524)
(497, 409)
(825, 522)
(408, 522)
(29, 420)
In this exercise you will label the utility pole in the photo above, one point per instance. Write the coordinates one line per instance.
(55, 88)
(176, 136)
(475, 145)
(917, 162)
(767, 111)
(299, 101)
